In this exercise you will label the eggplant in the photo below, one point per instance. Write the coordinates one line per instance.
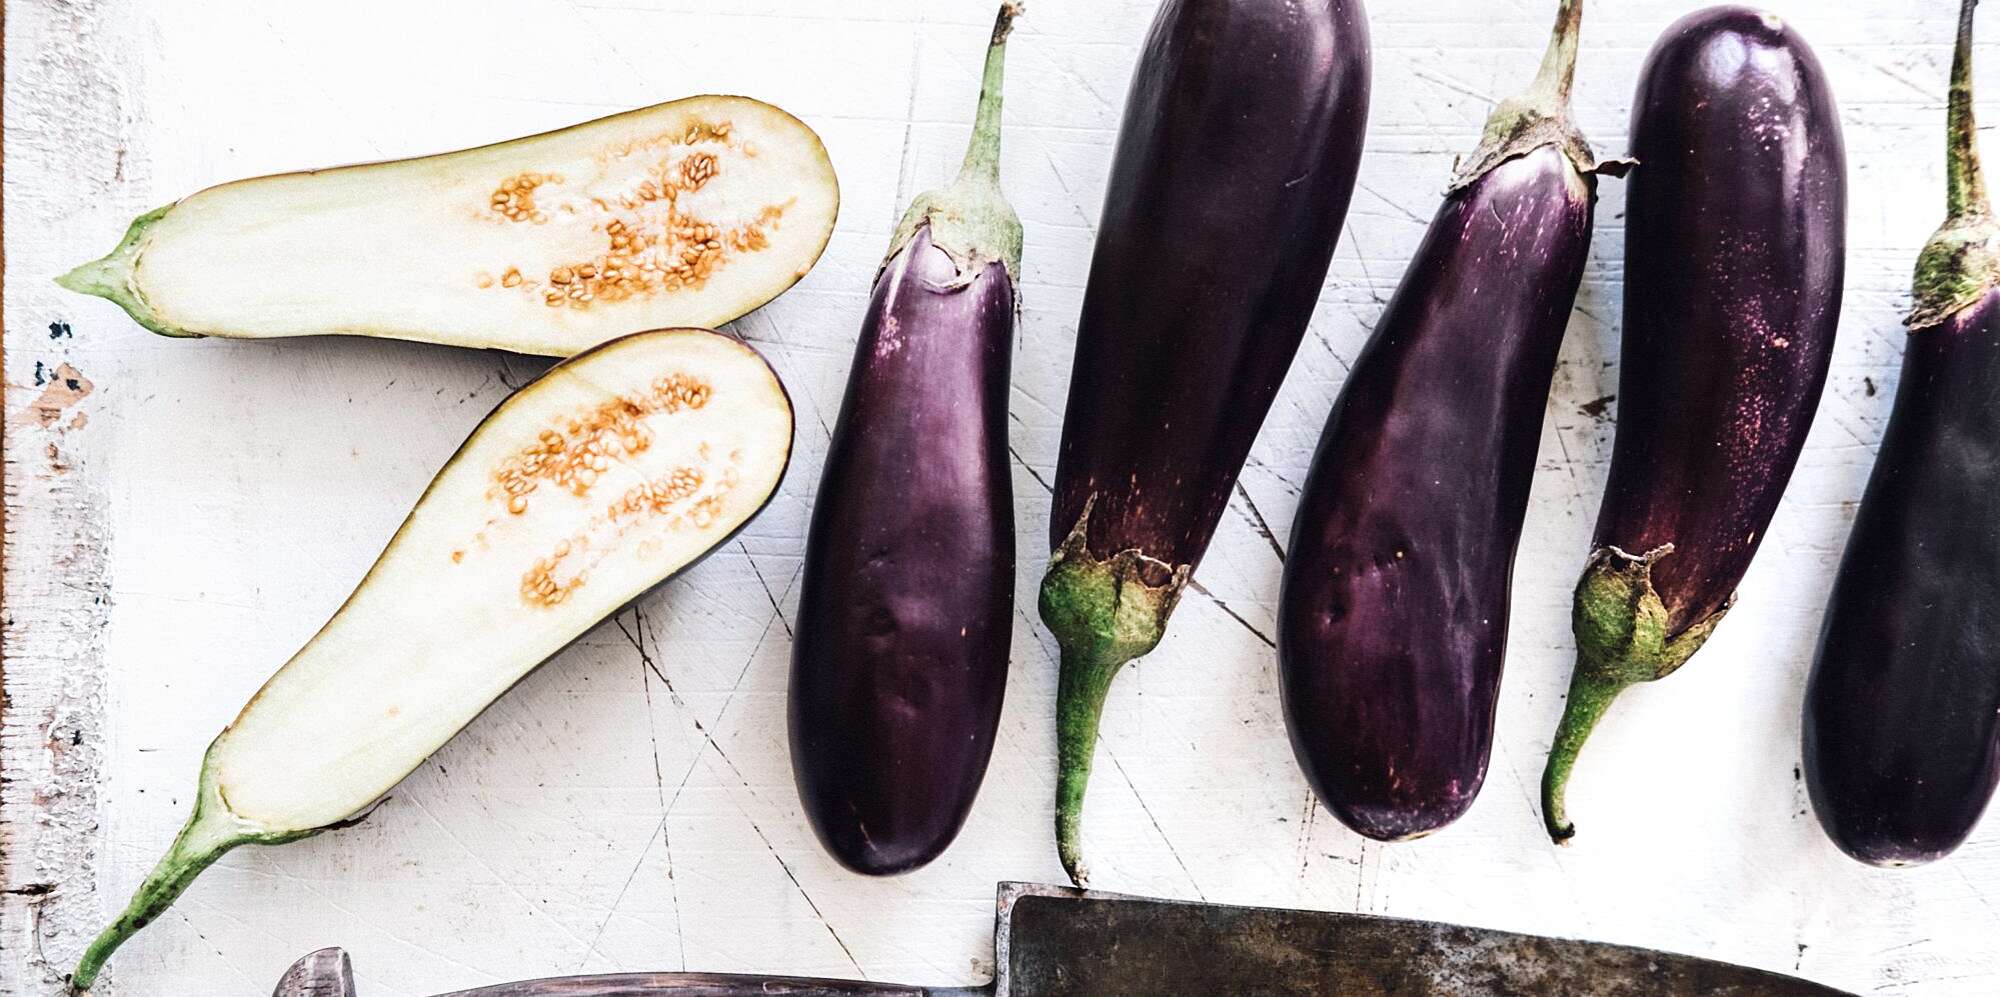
(608, 475)
(1234, 166)
(1735, 250)
(1902, 712)
(1392, 619)
(899, 661)
(688, 213)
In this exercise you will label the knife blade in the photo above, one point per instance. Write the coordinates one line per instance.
(1052, 941)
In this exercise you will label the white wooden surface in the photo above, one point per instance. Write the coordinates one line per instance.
(178, 530)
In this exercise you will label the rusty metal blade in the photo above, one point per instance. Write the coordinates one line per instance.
(1056, 942)
(325, 973)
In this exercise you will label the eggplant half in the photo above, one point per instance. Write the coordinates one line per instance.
(1902, 713)
(689, 213)
(1735, 252)
(1235, 163)
(899, 658)
(606, 476)
(1392, 621)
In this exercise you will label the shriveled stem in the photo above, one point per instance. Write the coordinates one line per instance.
(1965, 191)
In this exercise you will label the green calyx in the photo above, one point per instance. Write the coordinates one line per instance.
(970, 219)
(111, 278)
(1960, 265)
(211, 832)
(1623, 637)
(1103, 613)
(1540, 116)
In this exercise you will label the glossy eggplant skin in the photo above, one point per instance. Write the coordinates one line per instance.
(1736, 232)
(900, 661)
(1902, 714)
(1235, 163)
(1735, 236)
(1393, 616)
(1227, 193)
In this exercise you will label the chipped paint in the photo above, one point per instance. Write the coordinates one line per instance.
(62, 388)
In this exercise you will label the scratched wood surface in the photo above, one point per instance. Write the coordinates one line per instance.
(183, 514)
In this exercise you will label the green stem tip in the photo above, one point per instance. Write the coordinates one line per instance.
(970, 219)
(1104, 612)
(1540, 115)
(1589, 697)
(1965, 194)
(1624, 636)
(1080, 693)
(1960, 265)
(211, 832)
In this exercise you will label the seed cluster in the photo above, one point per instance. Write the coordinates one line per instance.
(651, 244)
(515, 197)
(575, 453)
(640, 503)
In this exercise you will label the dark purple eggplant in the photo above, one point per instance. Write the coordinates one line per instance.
(1392, 622)
(899, 662)
(1735, 247)
(1230, 184)
(1902, 714)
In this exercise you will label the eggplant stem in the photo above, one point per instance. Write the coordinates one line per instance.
(110, 278)
(1540, 115)
(1589, 697)
(203, 840)
(970, 220)
(982, 156)
(1104, 613)
(1080, 693)
(1557, 77)
(1966, 183)
(1960, 265)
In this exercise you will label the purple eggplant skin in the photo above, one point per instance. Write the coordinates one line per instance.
(1234, 166)
(1392, 620)
(899, 659)
(1902, 712)
(1736, 224)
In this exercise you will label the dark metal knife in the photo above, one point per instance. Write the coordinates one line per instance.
(1057, 942)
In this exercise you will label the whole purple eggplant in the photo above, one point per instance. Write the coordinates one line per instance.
(1392, 622)
(1735, 246)
(1902, 714)
(1229, 187)
(899, 662)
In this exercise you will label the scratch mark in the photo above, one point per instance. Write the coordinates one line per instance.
(1452, 85)
(1393, 204)
(1306, 833)
(1233, 614)
(768, 594)
(1148, 811)
(1031, 471)
(1258, 522)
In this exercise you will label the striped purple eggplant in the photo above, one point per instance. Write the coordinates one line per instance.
(1735, 247)
(1902, 714)
(1235, 162)
(1392, 622)
(899, 661)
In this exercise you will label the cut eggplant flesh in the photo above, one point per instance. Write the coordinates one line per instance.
(689, 213)
(601, 479)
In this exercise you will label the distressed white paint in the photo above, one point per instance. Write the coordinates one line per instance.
(223, 497)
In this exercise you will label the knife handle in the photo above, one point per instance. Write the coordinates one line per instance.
(690, 985)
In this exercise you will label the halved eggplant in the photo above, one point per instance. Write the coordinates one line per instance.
(606, 476)
(689, 213)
